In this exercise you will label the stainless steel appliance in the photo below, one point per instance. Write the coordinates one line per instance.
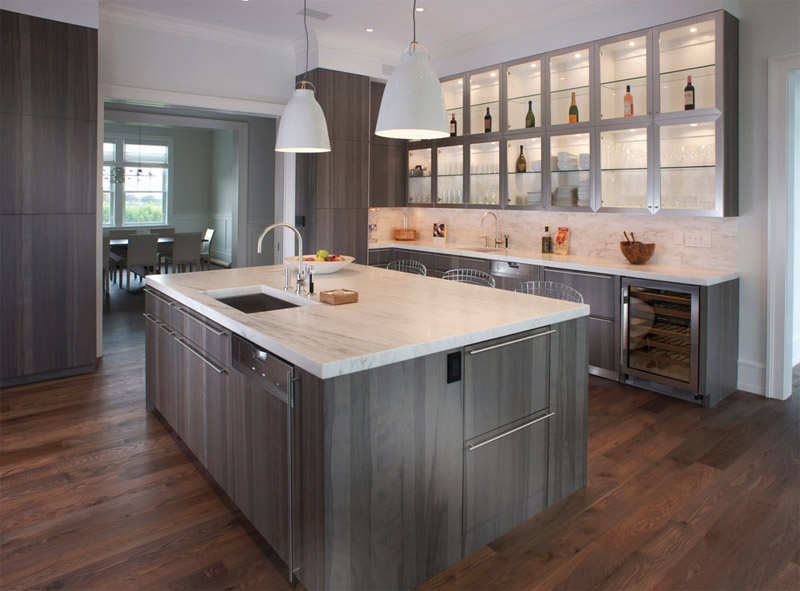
(509, 275)
(660, 335)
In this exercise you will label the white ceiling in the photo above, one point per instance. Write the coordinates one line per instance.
(445, 26)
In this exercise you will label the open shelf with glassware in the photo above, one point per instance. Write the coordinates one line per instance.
(484, 174)
(450, 175)
(656, 157)
(419, 176)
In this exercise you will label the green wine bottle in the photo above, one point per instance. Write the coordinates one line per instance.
(522, 165)
(530, 118)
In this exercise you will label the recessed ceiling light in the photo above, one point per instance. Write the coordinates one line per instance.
(493, 74)
(369, 29)
(631, 44)
(577, 55)
(533, 65)
(461, 82)
(420, 9)
(631, 130)
(693, 125)
(693, 30)
(562, 78)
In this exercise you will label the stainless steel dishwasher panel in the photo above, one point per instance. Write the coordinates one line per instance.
(508, 275)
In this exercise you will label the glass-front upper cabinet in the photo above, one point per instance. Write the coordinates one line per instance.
(570, 95)
(450, 175)
(484, 101)
(453, 92)
(524, 172)
(687, 66)
(689, 178)
(524, 95)
(623, 78)
(570, 170)
(623, 168)
(419, 177)
(484, 173)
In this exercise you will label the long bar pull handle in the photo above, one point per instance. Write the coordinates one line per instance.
(579, 273)
(201, 323)
(154, 293)
(475, 446)
(150, 317)
(507, 343)
(182, 341)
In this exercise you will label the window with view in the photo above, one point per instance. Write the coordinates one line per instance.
(135, 182)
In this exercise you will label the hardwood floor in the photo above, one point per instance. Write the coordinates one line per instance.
(96, 494)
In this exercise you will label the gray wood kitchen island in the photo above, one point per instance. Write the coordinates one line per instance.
(372, 444)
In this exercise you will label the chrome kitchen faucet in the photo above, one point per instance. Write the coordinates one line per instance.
(301, 272)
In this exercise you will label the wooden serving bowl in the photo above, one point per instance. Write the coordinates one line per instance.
(637, 253)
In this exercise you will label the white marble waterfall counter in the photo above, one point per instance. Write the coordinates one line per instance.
(398, 316)
(655, 272)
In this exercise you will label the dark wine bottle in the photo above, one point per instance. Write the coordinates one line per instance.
(522, 164)
(688, 95)
(453, 126)
(487, 121)
(573, 110)
(530, 118)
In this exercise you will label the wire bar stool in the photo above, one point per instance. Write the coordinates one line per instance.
(550, 289)
(473, 276)
(408, 266)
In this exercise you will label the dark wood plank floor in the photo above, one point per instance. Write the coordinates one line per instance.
(96, 494)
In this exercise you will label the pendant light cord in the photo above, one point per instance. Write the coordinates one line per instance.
(305, 25)
(414, 20)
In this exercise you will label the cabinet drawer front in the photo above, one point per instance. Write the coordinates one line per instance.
(425, 258)
(380, 257)
(603, 344)
(445, 263)
(162, 307)
(205, 334)
(505, 482)
(598, 291)
(507, 382)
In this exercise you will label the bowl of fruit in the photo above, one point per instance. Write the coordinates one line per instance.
(323, 262)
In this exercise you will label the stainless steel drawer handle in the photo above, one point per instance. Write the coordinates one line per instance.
(475, 446)
(183, 342)
(151, 318)
(165, 328)
(507, 343)
(154, 293)
(578, 273)
(201, 323)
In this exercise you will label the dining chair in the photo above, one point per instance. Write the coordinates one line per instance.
(205, 252)
(473, 276)
(550, 289)
(109, 265)
(117, 234)
(165, 248)
(163, 231)
(408, 266)
(142, 256)
(185, 251)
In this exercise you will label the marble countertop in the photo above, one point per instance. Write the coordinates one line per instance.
(398, 316)
(671, 273)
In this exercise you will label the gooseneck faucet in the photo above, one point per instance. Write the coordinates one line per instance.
(497, 241)
(301, 272)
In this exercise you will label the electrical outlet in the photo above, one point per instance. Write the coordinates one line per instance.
(677, 237)
(698, 239)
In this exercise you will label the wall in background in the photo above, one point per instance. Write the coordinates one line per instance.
(767, 28)
(591, 234)
(224, 193)
(76, 12)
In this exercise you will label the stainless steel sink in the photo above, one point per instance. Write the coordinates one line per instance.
(485, 249)
(256, 302)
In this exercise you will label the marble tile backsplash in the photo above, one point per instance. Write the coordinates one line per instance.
(592, 234)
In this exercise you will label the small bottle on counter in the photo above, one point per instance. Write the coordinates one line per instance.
(547, 241)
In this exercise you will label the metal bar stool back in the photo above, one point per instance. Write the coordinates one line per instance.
(473, 276)
(550, 289)
(408, 266)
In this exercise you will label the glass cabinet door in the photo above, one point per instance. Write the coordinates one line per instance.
(623, 168)
(569, 76)
(484, 99)
(570, 166)
(524, 92)
(623, 78)
(688, 174)
(524, 172)
(687, 52)
(484, 173)
(419, 177)
(450, 175)
(453, 92)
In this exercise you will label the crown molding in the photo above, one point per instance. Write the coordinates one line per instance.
(124, 15)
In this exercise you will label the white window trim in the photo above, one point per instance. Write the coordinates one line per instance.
(117, 208)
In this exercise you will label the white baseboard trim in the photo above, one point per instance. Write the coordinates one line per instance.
(752, 377)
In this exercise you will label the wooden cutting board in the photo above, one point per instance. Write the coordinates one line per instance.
(335, 297)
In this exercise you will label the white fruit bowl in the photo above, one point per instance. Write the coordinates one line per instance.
(323, 267)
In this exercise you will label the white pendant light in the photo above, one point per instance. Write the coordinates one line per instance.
(303, 127)
(412, 107)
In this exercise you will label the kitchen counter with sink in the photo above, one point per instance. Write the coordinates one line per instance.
(376, 443)
(655, 272)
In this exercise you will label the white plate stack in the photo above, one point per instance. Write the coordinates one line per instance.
(583, 193)
(565, 197)
(567, 161)
(534, 198)
(583, 159)
(535, 166)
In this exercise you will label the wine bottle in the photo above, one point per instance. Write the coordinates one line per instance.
(530, 118)
(487, 121)
(453, 126)
(547, 241)
(522, 164)
(573, 110)
(688, 95)
(628, 102)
